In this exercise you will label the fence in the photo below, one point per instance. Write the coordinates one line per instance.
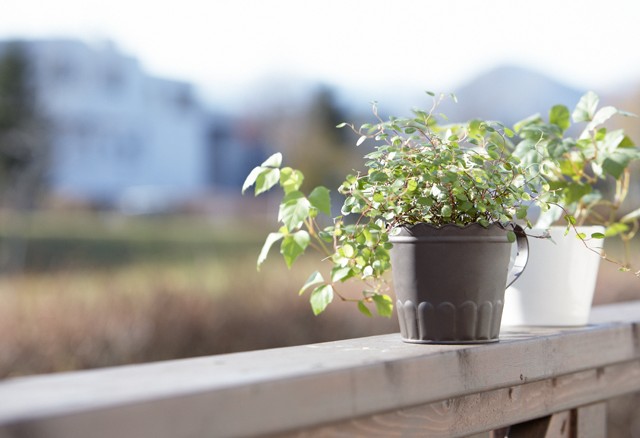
(540, 381)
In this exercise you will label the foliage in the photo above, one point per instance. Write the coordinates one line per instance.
(576, 166)
(419, 171)
(16, 109)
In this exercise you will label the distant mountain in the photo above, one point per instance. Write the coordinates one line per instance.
(506, 93)
(509, 94)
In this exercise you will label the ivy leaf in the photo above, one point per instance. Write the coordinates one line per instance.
(559, 116)
(341, 273)
(315, 278)
(521, 212)
(320, 199)
(362, 307)
(384, 305)
(320, 298)
(271, 239)
(615, 229)
(601, 116)
(293, 246)
(294, 209)
(290, 179)
(573, 191)
(586, 108)
(251, 178)
(616, 162)
(613, 167)
(266, 179)
(274, 161)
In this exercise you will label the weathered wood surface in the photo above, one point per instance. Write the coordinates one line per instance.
(433, 390)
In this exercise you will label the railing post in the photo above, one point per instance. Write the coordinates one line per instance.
(591, 421)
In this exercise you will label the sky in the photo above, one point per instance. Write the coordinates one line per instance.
(231, 48)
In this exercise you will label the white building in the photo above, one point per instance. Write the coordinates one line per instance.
(119, 136)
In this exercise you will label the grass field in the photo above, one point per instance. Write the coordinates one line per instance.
(106, 290)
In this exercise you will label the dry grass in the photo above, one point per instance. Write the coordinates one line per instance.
(70, 320)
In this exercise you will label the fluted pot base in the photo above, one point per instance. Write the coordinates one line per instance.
(447, 323)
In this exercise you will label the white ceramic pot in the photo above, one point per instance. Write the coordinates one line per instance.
(556, 288)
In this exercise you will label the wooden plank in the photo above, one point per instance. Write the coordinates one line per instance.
(591, 421)
(490, 410)
(271, 391)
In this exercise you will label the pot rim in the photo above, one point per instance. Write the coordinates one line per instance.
(475, 232)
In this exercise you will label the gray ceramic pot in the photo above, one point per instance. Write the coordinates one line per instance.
(450, 281)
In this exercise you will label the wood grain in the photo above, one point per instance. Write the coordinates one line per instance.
(490, 410)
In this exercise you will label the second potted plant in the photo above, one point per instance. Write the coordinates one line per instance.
(438, 202)
(558, 287)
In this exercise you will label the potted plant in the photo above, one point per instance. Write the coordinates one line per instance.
(560, 281)
(438, 202)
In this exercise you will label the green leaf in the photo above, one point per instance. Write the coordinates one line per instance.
(320, 298)
(274, 160)
(559, 116)
(521, 212)
(384, 305)
(271, 239)
(251, 178)
(597, 236)
(290, 179)
(511, 236)
(315, 278)
(341, 125)
(347, 250)
(573, 192)
(294, 245)
(586, 108)
(320, 199)
(341, 273)
(379, 177)
(362, 307)
(294, 209)
(615, 229)
(613, 167)
(266, 179)
(601, 116)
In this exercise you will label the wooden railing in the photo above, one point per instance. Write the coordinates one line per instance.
(538, 381)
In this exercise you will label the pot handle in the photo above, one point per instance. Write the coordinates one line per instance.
(522, 254)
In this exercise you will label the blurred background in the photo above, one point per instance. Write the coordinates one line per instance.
(128, 127)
